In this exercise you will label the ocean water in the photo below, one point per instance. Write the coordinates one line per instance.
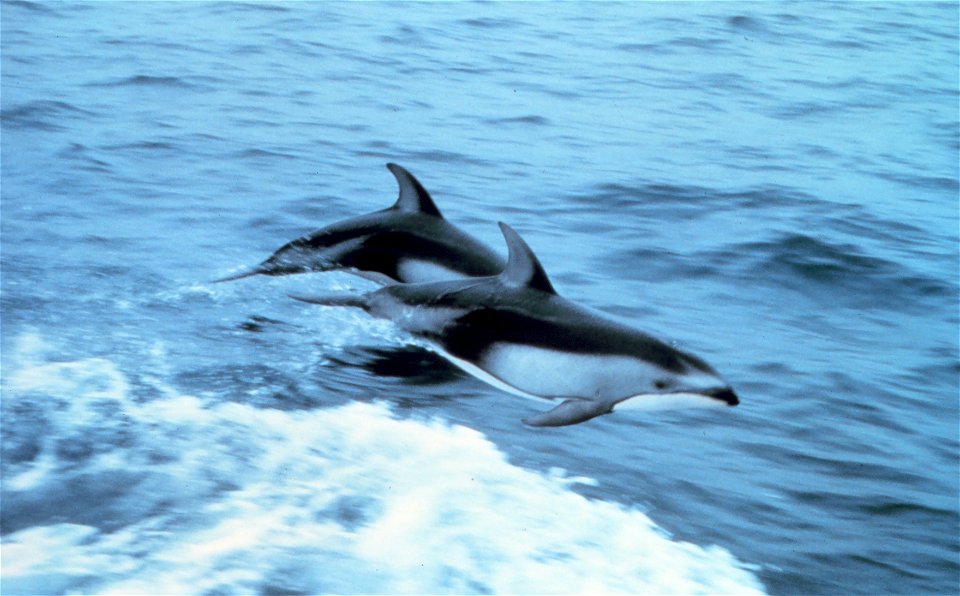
(772, 186)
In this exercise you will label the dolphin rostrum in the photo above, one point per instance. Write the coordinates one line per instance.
(515, 332)
(408, 242)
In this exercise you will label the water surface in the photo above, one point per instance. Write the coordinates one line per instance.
(773, 187)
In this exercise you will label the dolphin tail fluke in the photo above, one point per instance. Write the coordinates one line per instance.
(335, 299)
(571, 411)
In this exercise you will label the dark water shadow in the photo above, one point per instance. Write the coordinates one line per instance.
(412, 365)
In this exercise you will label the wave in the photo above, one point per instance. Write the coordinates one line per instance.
(40, 115)
(167, 82)
(38, 7)
(842, 274)
(177, 493)
(258, 153)
(530, 119)
(844, 254)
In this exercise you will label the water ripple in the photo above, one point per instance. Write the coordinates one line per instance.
(165, 82)
(841, 274)
(531, 119)
(43, 115)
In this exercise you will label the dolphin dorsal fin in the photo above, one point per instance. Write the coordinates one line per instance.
(523, 268)
(414, 198)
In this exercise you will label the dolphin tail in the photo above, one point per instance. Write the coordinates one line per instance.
(245, 273)
(571, 411)
(276, 267)
(335, 299)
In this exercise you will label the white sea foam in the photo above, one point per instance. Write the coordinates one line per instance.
(184, 495)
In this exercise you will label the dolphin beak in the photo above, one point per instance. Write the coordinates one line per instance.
(725, 394)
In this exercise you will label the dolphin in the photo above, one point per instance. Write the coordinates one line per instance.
(407, 242)
(515, 332)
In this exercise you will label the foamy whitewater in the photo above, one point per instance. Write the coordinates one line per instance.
(226, 498)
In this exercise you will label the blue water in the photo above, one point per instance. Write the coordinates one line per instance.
(772, 186)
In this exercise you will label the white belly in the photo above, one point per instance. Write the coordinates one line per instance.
(417, 271)
(547, 375)
(550, 373)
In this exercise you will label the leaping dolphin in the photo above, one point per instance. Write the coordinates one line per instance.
(408, 242)
(515, 332)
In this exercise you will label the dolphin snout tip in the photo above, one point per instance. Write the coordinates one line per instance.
(725, 395)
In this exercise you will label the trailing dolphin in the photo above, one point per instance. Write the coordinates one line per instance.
(407, 242)
(515, 332)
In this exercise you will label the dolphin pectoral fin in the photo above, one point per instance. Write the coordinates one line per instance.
(350, 300)
(571, 411)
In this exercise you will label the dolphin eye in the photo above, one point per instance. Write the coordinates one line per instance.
(662, 383)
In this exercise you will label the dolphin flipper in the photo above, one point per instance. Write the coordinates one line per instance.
(571, 411)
